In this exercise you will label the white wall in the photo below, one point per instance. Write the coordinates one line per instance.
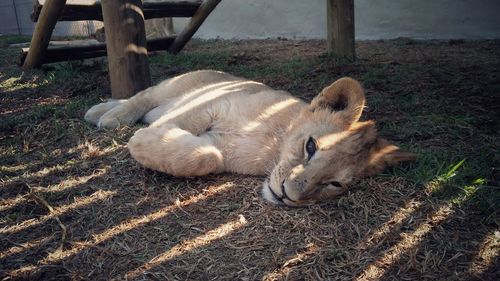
(15, 19)
(302, 19)
(375, 19)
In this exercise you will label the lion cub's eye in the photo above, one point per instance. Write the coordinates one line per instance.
(332, 182)
(310, 148)
(336, 183)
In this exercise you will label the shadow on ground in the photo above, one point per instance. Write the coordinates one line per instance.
(434, 219)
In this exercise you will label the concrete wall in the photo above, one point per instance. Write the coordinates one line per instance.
(375, 19)
(302, 19)
(15, 19)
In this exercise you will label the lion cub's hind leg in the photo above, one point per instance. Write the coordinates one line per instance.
(175, 151)
(95, 112)
(133, 109)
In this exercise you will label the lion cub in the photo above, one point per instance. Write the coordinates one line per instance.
(210, 122)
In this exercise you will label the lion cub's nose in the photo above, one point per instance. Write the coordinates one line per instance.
(292, 191)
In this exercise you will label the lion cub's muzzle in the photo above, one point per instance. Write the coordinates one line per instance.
(285, 198)
(281, 197)
(295, 196)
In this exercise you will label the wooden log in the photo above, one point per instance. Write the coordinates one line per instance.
(59, 53)
(126, 47)
(156, 28)
(340, 30)
(92, 10)
(43, 32)
(169, 27)
(198, 18)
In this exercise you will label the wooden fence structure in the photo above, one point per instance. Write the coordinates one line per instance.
(126, 45)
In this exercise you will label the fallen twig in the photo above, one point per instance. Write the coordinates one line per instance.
(41, 201)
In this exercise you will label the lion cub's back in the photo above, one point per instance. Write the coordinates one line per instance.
(199, 90)
(194, 80)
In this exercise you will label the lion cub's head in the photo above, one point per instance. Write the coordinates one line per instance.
(327, 148)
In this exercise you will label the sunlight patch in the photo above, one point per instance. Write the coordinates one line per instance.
(377, 269)
(393, 223)
(19, 248)
(268, 113)
(294, 261)
(489, 250)
(189, 245)
(136, 222)
(99, 195)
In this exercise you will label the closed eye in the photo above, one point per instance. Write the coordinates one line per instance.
(336, 183)
(333, 182)
(310, 148)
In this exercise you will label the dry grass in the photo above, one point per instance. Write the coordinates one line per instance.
(435, 219)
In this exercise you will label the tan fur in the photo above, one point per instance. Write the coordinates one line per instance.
(209, 122)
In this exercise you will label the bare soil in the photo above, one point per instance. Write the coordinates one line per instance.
(75, 206)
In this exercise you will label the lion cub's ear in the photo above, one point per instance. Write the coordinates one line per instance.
(383, 154)
(345, 96)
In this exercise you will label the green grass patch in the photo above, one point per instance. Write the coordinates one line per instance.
(49, 114)
(195, 60)
(6, 40)
(289, 74)
(447, 177)
(64, 72)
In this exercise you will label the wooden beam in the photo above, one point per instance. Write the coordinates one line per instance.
(198, 18)
(43, 32)
(84, 51)
(126, 47)
(92, 10)
(340, 20)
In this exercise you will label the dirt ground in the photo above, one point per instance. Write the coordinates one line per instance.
(75, 206)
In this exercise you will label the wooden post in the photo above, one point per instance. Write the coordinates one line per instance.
(126, 47)
(340, 20)
(169, 27)
(43, 31)
(66, 52)
(92, 10)
(198, 18)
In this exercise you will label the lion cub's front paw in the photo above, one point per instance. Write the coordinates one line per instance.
(97, 111)
(115, 118)
(109, 123)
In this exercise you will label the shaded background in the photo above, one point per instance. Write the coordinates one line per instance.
(258, 19)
